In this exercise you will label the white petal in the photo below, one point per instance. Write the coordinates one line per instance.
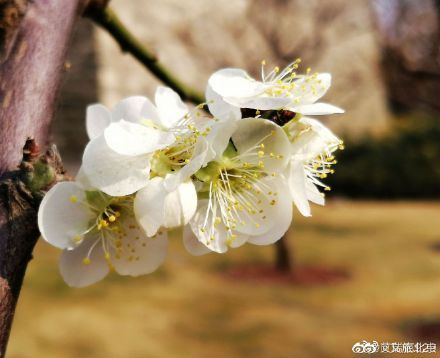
(192, 244)
(180, 205)
(128, 138)
(313, 194)
(82, 180)
(263, 199)
(170, 106)
(198, 159)
(215, 240)
(218, 139)
(98, 117)
(234, 82)
(149, 113)
(155, 207)
(325, 133)
(239, 240)
(139, 254)
(253, 132)
(134, 109)
(311, 138)
(149, 206)
(281, 221)
(60, 219)
(113, 173)
(316, 109)
(261, 102)
(297, 185)
(309, 90)
(75, 273)
(219, 108)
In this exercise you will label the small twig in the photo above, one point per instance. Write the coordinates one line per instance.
(107, 19)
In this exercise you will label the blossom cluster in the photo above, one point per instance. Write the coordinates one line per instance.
(228, 177)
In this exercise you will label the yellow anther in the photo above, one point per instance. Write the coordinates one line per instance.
(262, 145)
(260, 154)
(276, 69)
(257, 225)
(263, 62)
(77, 238)
(86, 261)
(112, 218)
(327, 188)
(73, 199)
(217, 221)
(261, 164)
(273, 202)
(107, 256)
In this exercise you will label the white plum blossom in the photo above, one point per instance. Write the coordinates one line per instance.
(227, 180)
(117, 159)
(277, 90)
(311, 159)
(97, 233)
(242, 197)
(120, 161)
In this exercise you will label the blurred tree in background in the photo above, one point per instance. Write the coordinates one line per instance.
(404, 162)
(409, 34)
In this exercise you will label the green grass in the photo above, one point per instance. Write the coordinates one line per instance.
(190, 309)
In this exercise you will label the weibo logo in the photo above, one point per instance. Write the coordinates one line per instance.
(365, 347)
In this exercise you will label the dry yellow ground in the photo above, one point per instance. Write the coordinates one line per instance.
(189, 309)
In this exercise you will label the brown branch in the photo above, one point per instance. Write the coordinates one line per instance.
(34, 36)
(109, 21)
(18, 224)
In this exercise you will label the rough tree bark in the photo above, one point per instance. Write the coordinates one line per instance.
(33, 40)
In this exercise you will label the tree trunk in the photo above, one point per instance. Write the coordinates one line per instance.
(409, 34)
(283, 261)
(33, 40)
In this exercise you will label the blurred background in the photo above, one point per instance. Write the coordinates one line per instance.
(366, 266)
